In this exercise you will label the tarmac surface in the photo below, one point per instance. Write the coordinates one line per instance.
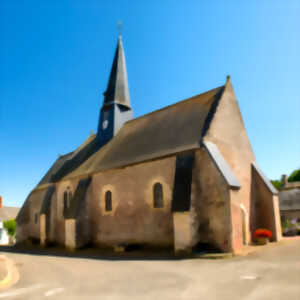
(272, 272)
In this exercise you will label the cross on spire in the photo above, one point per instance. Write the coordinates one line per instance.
(120, 27)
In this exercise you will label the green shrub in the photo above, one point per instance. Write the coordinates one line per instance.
(10, 226)
(277, 184)
(295, 176)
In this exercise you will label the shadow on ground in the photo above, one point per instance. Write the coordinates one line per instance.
(93, 253)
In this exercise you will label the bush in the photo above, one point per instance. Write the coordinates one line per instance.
(11, 227)
(290, 227)
(277, 184)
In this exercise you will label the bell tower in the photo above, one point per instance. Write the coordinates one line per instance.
(116, 109)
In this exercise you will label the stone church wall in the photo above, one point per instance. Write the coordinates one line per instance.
(265, 211)
(52, 232)
(61, 187)
(228, 132)
(210, 205)
(36, 201)
(83, 220)
(133, 218)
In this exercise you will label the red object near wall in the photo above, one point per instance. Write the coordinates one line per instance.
(262, 233)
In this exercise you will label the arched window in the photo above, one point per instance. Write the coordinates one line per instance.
(158, 198)
(108, 201)
(67, 200)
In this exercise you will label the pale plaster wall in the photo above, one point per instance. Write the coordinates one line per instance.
(133, 218)
(277, 222)
(182, 231)
(70, 233)
(236, 212)
(210, 205)
(228, 132)
(43, 229)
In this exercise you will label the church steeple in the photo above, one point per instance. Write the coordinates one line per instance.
(116, 109)
(117, 89)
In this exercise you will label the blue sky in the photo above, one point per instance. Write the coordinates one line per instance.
(55, 58)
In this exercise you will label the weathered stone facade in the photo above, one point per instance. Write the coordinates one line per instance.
(289, 200)
(183, 177)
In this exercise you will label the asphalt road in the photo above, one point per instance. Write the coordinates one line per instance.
(272, 273)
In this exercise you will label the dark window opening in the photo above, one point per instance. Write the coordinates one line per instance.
(108, 201)
(36, 218)
(65, 203)
(69, 199)
(158, 201)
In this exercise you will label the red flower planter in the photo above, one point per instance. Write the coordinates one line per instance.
(262, 236)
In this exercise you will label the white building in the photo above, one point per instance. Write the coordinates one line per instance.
(6, 213)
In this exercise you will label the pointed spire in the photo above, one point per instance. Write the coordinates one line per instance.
(117, 89)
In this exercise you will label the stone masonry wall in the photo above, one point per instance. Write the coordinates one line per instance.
(35, 199)
(210, 200)
(61, 187)
(228, 132)
(133, 218)
(265, 208)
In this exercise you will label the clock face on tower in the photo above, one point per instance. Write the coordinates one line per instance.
(105, 124)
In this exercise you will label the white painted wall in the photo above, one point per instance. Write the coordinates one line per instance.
(4, 237)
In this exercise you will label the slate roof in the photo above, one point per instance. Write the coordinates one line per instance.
(267, 182)
(8, 213)
(117, 89)
(54, 169)
(222, 165)
(289, 199)
(167, 131)
(70, 161)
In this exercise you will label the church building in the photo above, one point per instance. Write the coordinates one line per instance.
(182, 177)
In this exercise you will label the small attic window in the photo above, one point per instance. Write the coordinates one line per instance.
(158, 201)
(108, 201)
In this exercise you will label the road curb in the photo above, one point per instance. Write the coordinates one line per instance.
(12, 274)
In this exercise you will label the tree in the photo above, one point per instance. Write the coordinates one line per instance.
(277, 184)
(10, 226)
(295, 176)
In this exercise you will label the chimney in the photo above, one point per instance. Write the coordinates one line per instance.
(284, 179)
(0, 202)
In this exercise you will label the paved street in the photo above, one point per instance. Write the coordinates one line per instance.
(272, 273)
